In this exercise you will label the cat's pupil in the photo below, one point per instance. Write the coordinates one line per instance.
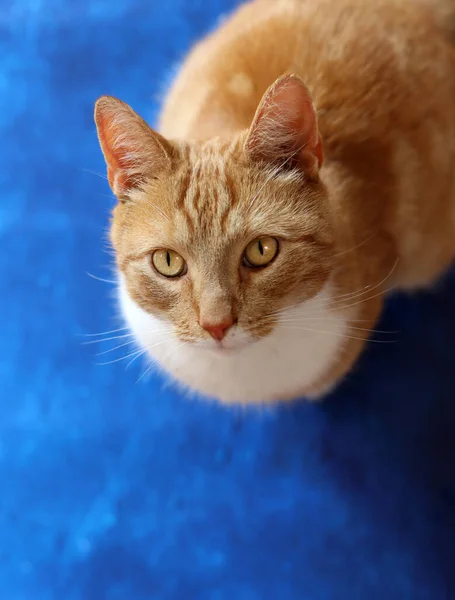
(168, 259)
(261, 248)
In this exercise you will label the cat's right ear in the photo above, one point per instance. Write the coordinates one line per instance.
(285, 130)
(132, 150)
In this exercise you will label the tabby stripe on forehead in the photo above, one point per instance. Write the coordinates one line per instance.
(224, 219)
(233, 196)
(195, 193)
(209, 214)
(233, 201)
(181, 200)
(196, 197)
(183, 191)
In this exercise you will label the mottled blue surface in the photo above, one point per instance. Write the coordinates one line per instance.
(112, 490)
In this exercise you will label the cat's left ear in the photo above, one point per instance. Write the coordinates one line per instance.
(285, 128)
(132, 150)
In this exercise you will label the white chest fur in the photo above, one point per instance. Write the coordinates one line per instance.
(304, 345)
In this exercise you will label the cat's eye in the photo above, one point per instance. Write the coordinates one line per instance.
(260, 252)
(168, 263)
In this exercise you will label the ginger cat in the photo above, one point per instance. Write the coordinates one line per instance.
(305, 167)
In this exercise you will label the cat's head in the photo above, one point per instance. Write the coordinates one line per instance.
(216, 237)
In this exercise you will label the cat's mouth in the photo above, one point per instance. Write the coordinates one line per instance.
(227, 347)
(224, 350)
(235, 341)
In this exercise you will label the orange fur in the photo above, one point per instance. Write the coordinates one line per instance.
(354, 172)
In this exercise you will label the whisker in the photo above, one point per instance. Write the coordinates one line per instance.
(378, 285)
(116, 348)
(381, 331)
(303, 321)
(370, 237)
(110, 196)
(325, 302)
(362, 301)
(125, 191)
(133, 359)
(147, 370)
(345, 336)
(94, 173)
(103, 332)
(322, 318)
(122, 187)
(101, 278)
(111, 362)
(375, 331)
(341, 297)
(155, 361)
(165, 330)
(134, 355)
(108, 339)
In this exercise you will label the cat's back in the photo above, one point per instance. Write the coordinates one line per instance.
(382, 77)
(356, 56)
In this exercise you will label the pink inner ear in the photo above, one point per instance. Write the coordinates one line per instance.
(118, 134)
(131, 149)
(285, 126)
(107, 136)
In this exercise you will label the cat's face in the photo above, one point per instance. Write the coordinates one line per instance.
(224, 248)
(216, 244)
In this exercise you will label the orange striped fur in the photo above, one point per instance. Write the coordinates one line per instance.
(326, 125)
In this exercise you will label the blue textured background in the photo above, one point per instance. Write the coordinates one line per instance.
(111, 490)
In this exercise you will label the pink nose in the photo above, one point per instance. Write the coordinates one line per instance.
(218, 330)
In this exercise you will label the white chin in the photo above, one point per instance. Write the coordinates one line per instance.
(222, 350)
(236, 342)
(243, 369)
